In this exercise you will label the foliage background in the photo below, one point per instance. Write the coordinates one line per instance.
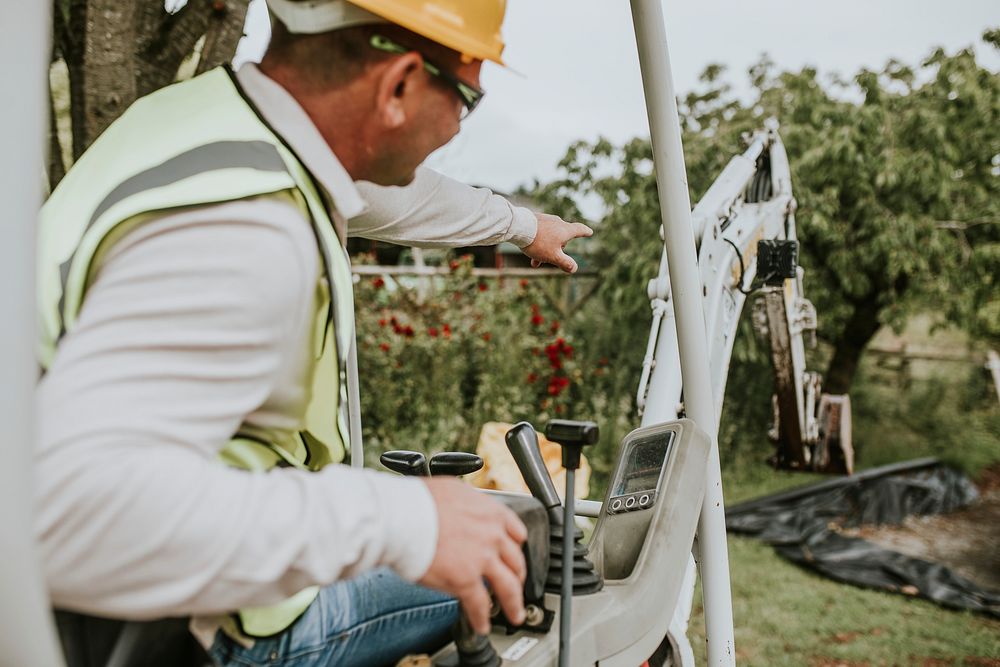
(896, 176)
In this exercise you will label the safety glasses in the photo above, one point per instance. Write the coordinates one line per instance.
(469, 94)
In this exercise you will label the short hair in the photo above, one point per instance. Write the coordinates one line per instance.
(337, 57)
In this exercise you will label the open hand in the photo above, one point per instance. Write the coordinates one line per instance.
(552, 236)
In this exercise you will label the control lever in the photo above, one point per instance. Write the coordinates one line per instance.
(573, 437)
(455, 464)
(474, 650)
(522, 441)
(406, 462)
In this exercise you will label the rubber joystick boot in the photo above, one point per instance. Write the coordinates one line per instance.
(585, 578)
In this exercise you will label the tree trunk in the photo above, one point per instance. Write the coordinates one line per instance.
(119, 50)
(859, 329)
(109, 83)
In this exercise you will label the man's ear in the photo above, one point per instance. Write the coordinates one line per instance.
(397, 80)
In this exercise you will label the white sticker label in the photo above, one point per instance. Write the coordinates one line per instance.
(519, 648)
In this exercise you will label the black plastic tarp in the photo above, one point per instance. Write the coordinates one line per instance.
(804, 526)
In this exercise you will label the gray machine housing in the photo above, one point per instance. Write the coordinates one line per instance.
(642, 554)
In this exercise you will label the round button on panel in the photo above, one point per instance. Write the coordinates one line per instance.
(644, 500)
(630, 503)
(616, 504)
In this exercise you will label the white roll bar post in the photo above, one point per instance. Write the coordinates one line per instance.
(27, 636)
(675, 207)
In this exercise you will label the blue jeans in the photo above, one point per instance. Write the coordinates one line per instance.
(373, 619)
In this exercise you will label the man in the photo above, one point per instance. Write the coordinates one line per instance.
(196, 304)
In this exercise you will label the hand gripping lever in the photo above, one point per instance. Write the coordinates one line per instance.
(474, 650)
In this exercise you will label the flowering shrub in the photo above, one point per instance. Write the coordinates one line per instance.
(474, 350)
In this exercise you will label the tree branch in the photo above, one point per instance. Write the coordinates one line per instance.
(223, 35)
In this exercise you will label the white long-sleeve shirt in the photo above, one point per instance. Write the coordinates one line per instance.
(196, 322)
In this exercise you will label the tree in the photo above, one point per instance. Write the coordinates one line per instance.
(119, 50)
(896, 175)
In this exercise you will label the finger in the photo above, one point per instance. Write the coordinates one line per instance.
(580, 230)
(565, 262)
(513, 557)
(515, 527)
(475, 602)
(508, 589)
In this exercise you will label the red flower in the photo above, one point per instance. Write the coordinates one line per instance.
(408, 331)
(537, 319)
(384, 347)
(557, 384)
(532, 378)
(433, 332)
(482, 287)
(524, 283)
(557, 349)
(555, 326)
(382, 322)
(487, 336)
(378, 283)
(559, 409)
(453, 265)
(446, 330)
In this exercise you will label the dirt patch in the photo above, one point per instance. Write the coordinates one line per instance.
(849, 637)
(967, 541)
(973, 661)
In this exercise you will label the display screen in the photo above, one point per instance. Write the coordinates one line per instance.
(643, 463)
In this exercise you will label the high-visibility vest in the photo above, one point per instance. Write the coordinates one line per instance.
(201, 142)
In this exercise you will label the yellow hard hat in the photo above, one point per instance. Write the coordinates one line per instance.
(471, 27)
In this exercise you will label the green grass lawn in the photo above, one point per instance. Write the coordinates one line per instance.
(785, 615)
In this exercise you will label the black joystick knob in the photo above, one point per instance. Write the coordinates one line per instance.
(522, 441)
(405, 462)
(573, 436)
(455, 463)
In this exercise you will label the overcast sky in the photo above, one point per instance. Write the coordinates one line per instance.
(578, 72)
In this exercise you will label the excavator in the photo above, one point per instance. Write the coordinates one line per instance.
(622, 597)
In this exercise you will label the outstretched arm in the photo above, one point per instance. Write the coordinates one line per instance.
(438, 212)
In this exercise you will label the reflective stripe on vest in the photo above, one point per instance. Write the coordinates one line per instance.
(146, 163)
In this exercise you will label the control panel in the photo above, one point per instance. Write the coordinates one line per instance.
(640, 472)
